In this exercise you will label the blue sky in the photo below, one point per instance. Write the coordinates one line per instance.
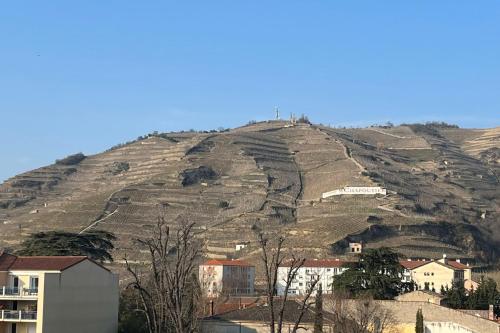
(85, 75)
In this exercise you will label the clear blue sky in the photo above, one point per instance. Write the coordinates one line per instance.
(85, 75)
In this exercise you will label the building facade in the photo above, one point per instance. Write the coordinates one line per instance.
(228, 277)
(435, 275)
(56, 295)
(325, 270)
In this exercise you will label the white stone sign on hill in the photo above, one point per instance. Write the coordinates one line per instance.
(365, 190)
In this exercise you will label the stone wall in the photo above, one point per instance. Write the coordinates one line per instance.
(420, 296)
(405, 312)
(219, 326)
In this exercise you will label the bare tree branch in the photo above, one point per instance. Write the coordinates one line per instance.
(169, 296)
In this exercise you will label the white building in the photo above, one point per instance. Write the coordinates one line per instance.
(228, 277)
(326, 269)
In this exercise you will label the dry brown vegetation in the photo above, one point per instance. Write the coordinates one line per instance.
(269, 174)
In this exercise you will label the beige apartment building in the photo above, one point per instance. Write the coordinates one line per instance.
(434, 275)
(228, 277)
(56, 295)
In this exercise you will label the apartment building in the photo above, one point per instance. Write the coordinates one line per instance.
(325, 270)
(435, 274)
(228, 277)
(56, 295)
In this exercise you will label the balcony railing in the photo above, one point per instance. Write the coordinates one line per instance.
(15, 315)
(18, 292)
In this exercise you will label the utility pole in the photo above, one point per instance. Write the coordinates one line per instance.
(277, 113)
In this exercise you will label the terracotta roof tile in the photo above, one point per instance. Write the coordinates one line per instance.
(456, 264)
(52, 263)
(412, 264)
(321, 263)
(217, 262)
(6, 261)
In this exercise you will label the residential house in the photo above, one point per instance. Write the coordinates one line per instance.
(56, 295)
(434, 275)
(228, 277)
(355, 248)
(325, 270)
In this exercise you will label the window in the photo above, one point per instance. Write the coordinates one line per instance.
(33, 285)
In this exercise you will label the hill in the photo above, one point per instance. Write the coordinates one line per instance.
(442, 190)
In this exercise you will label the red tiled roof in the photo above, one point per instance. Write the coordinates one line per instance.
(321, 263)
(46, 263)
(456, 264)
(412, 264)
(6, 261)
(218, 262)
(52, 263)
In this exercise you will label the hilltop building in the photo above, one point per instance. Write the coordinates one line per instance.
(434, 275)
(228, 277)
(325, 269)
(56, 295)
(355, 248)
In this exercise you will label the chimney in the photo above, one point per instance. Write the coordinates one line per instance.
(458, 260)
(491, 313)
(444, 260)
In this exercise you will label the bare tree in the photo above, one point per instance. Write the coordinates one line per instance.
(169, 291)
(272, 257)
(363, 315)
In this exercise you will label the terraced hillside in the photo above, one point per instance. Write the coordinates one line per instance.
(443, 190)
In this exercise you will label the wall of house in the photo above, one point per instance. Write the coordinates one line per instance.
(238, 280)
(23, 276)
(435, 274)
(3, 279)
(304, 275)
(25, 328)
(211, 279)
(81, 299)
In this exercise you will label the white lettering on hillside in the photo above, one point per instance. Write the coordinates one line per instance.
(356, 190)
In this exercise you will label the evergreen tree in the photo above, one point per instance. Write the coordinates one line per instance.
(318, 317)
(419, 325)
(96, 244)
(485, 294)
(378, 273)
(457, 298)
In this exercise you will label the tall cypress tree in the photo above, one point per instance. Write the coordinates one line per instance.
(318, 317)
(419, 325)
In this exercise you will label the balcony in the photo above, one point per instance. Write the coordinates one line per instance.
(18, 316)
(18, 293)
